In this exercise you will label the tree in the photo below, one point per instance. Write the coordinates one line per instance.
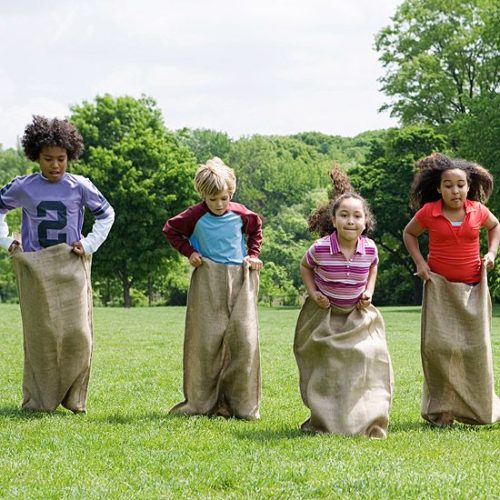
(439, 55)
(205, 144)
(273, 172)
(144, 173)
(13, 163)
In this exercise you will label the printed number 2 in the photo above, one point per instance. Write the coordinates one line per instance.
(59, 223)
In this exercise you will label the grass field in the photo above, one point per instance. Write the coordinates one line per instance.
(127, 446)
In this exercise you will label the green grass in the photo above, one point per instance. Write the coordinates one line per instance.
(127, 446)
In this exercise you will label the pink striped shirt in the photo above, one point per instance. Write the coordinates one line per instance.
(341, 280)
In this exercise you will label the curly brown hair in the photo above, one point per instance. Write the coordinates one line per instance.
(44, 132)
(320, 221)
(427, 180)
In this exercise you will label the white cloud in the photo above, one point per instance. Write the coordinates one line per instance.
(242, 67)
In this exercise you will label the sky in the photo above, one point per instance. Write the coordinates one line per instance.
(241, 67)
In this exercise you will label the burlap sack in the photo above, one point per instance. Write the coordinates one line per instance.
(456, 353)
(221, 344)
(345, 370)
(55, 296)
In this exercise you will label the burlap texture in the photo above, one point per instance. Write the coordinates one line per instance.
(221, 343)
(55, 296)
(456, 353)
(345, 370)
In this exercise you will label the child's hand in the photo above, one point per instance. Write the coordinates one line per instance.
(321, 300)
(195, 259)
(15, 247)
(423, 271)
(254, 263)
(365, 300)
(489, 260)
(77, 248)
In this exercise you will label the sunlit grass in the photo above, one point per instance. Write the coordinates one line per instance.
(128, 446)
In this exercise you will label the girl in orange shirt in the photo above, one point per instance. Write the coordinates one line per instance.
(449, 196)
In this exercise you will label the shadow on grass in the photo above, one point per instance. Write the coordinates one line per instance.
(267, 435)
(158, 416)
(13, 412)
(402, 309)
(422, 426)
(126, 419)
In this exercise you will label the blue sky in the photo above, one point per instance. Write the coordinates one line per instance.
(261, 66)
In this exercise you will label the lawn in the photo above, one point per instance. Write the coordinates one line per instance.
(127, 446)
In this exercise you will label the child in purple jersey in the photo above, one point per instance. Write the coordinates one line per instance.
(52, 262)
(53, 201)
(222, 241)
(345, 369)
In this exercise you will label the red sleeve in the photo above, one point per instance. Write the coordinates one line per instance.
(422, 216)
(252, 227)
(178, 229)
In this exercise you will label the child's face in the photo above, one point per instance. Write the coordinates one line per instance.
(218, 203)
(349, 220)
(53, 162)
(454, 188)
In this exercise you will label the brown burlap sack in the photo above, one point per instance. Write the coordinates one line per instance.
(221, 343)
(345, 370)
(456, 353)
(55, 296)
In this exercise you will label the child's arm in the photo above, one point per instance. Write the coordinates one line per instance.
(97, 236)
(179, 228)
(9, 200)
(410, 237)
(366, 297)
(5, 240)
(307, 274)
(493, 228)
(252, 227)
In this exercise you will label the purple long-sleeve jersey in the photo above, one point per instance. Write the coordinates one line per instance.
(52, 212)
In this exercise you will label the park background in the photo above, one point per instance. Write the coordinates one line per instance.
(440, 77)
(440, 80)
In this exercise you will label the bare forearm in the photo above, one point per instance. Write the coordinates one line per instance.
(307, 275)
(372, 278)
(411, 244)
(494, 239)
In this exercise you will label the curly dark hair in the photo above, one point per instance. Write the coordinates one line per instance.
(320, 221)
(427, 180)
(45, 132)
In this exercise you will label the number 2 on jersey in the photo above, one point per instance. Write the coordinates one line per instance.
(46, 225)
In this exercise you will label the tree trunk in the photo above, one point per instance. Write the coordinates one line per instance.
(126, 292)
(150, 291)
(126, 284)
(417, 290)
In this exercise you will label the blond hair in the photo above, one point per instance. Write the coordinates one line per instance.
(213, 177)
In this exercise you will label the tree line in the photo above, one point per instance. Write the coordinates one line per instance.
(441, 62)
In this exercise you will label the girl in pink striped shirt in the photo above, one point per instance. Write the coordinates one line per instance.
(345, 368)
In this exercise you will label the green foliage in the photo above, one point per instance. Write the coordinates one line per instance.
(144, 173)
(476, 138)
(12, 164)
(176, 281)
(438, 55)
(205, 144)
(276, 287)
(273, 172)
(348, 151)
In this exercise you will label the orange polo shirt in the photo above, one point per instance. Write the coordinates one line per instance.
(454, 251)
